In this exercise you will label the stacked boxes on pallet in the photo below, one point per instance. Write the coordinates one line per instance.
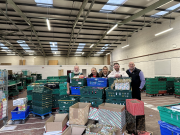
(170, 85)
(170, 119)
(177, 86)
(41, 99)
(135, 117)
(94, 92)
(152, 86)
(118, 94)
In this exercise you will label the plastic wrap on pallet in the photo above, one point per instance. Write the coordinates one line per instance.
(20, 101)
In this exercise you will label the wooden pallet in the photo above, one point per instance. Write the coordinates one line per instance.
(151, 95)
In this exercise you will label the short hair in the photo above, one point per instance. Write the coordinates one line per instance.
(116, 63)
(105, 67)
(76, 66)
(93, 68)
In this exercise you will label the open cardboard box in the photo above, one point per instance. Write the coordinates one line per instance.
(56, 123)
(74, 130)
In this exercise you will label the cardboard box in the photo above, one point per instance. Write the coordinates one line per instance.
(53, 62)
(74, 130)
(78, 113)
(56, 123)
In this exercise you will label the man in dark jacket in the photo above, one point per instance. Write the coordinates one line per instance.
(138, 80)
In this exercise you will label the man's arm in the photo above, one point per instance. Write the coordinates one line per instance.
(141, 75)
(111, 75)
(68, 82)
(124, 74)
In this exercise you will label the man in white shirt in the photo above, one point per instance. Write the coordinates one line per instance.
(117, 73)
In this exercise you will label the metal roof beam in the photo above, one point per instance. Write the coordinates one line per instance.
(18, 10)
(140, 13)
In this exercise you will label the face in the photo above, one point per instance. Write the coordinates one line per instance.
(76, 69)
(93, 71)
(131, 65)
(116, 67)
(105, 70)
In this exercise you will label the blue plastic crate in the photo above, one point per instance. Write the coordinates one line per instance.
(167, 129)
(97, 82)
(18, 115)
(75, 90)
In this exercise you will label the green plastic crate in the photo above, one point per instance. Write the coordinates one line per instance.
(20, 87)
(41, 110)
(152, 91)
(119, 94)
(151, 79)
(87, 91)
(63, 92)
(152, 87)
(42, 103)
(111, 81)
(30, 87)
(29, 92)
(65, 103)
(54, 80)
(40, 96)
(79, 82)
(63, 86)
(41, 81)
(116, 101)
(41, 89)
(75, 97)
(63, 77)
(61, 111)
(29, 97)
(168, 115)
(95, 102)
(56, 91)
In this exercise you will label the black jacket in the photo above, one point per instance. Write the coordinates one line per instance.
(91, 75)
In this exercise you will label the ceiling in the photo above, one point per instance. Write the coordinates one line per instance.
(17, 37)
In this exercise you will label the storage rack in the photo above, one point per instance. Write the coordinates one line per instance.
(4, 89)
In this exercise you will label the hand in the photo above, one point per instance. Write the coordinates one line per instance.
(117, 76)
(68, 92)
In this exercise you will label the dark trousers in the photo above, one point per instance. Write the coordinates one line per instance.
(136, 93)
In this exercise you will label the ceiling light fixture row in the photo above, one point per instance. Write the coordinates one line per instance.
(125, 46)
(91, 45)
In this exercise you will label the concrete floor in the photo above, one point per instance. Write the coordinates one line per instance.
(35, 125)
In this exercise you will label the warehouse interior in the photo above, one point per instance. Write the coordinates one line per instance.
(42, 40)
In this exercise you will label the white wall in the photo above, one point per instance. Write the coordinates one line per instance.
(144, 42)
(39, 60)
(48, 70)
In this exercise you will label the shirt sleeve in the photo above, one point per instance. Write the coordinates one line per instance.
(124, 74)
(141, 75)
(111, 75)
(68, 79)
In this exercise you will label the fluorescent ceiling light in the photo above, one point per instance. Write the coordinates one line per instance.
(31, 54)
(53, 44)
(163, 31)
(77, 55)
(99, 52)
(108, 8)
(112, 28)
(80, 47)
(11, 54)
(107, 53)
(48, 24)
(3, 50)
(125, 46)
(82, 53)
(23, 44)
(91, 45)
(44, 3)
(159, 14)
(78, 52)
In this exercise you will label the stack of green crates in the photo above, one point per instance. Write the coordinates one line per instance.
(41, 99)
(170, 85)
(20, 88)
(63, 88)
(152, 86)
(39, 77)
(93, 95)
(117, 96)
(78, 82)
(29, 95)
(13, 92)
(65, 103)
(177, 86)
(41, 81)
(63, 77)
(28, 80)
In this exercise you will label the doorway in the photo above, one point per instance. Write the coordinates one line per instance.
(84, 72)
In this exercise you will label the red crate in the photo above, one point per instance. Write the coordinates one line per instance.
(135, 107)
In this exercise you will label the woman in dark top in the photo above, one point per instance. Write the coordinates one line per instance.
(94, 73)
(104, 72)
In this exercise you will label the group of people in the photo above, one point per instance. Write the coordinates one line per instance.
(137, 76)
